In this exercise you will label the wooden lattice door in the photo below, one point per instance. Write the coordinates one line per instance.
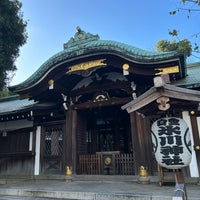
(53, 150)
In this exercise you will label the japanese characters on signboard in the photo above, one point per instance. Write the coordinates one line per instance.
(171, 142)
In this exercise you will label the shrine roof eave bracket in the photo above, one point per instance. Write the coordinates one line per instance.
(166, 90)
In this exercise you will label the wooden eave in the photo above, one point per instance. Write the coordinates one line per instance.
(166, 90)
(112, 101)
(113, 59)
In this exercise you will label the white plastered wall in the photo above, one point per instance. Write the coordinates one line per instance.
(37, 151)
(194, 172)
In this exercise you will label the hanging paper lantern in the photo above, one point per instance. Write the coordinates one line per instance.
(171, 142)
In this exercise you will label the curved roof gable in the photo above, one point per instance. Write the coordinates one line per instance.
(84, 43)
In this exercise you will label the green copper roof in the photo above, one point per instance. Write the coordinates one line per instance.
(192, 79)
(85, 43)
(13, 104)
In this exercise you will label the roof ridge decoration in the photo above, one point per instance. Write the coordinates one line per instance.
(80, 38)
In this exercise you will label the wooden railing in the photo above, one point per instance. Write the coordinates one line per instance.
(89, 164)
(122, 164)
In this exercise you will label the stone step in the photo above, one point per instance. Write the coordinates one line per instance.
(89, 189)
(10, 197)
(62, 195)
(24, 198)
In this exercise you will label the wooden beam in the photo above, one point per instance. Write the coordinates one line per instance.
(143, 102)
(141, 97)
(181, 90)
(180, 188)
(162, 90)
(180, 95)
(112, 101)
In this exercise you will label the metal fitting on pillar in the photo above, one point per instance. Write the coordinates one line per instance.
(143, 175)
(68, 171)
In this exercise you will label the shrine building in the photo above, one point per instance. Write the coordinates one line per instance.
(90, 107)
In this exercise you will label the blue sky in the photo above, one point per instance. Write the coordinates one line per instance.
(141, 23)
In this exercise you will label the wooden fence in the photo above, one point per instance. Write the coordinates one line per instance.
(122, 164)
(89, 164)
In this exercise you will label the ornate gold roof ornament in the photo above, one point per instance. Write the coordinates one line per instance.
(80, 37)
(163, 103)
(51, 84)
(86, 65)
(78, 28)
(125, 69)
(167, 70)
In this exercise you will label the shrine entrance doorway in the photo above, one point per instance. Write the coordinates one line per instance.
(108, 129)
(108, 142)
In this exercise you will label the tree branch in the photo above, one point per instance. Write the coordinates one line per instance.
(193, 1)
(189, 9)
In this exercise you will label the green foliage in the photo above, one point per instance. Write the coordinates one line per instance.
(181, 46)
(5, 93)
(12, 36)
(189, 7)
(174, 32)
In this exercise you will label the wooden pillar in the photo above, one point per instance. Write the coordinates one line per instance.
(196, 139)
(93, 147)
(141, 144)
(149, 147)
(134, 135)
(180, 188)
(140, 139)
(117, 137)
(93, 143)
(73, 142)
(116, 129)
(68, 139)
